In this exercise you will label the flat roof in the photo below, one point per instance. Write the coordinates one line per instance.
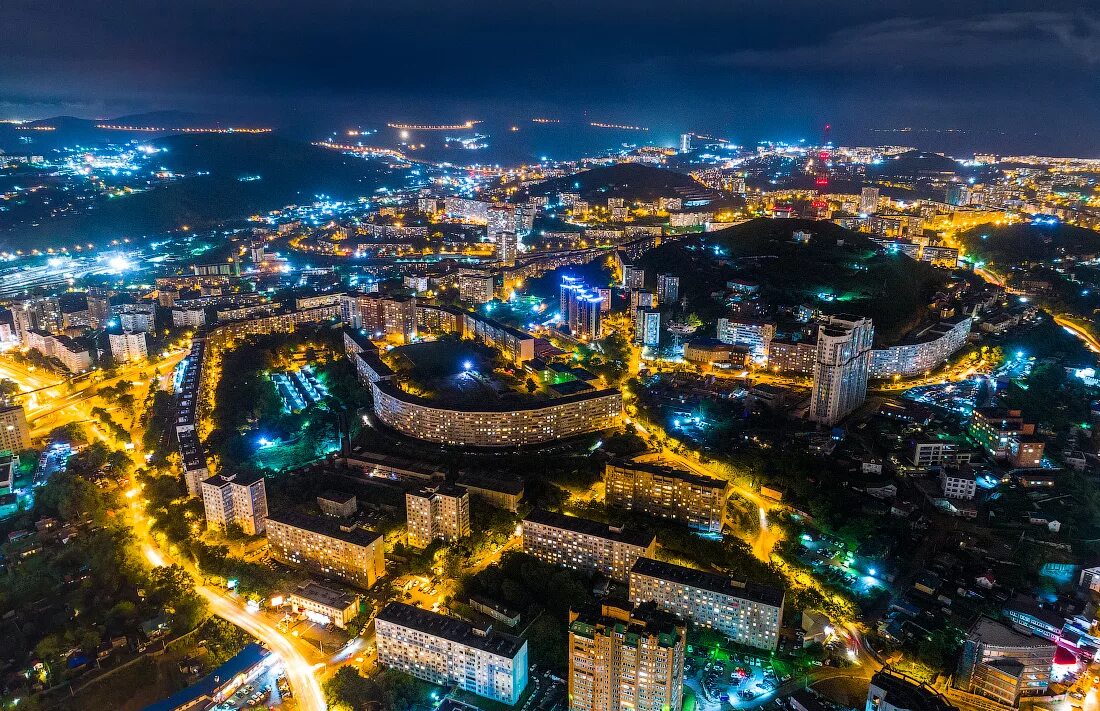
(325, 527)
(315, 592)
(992, 632)
(504, 405)
(763, 594)
(513, 487)
(452, 629)
(243, 479)
(904, 694)
(209, 685)
(337, 496)
(588, 527)
(662, 470)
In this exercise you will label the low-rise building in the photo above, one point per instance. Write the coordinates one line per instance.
(959, 483)
(1002, 664)
(324, 605)
(583, 544)
(937, 452)
(451, 652)
(335, 503)
(747, 613)
(325, 547)
(499, 493)
(889, 692)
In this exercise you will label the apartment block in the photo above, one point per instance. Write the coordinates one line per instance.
(451, 652)
(15, 434)
(624, 660)
(583, 544)
(747, 613)
(657, 490)
(239, 499)
(325, 547)
(437, 512)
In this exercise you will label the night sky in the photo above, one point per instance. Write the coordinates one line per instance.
(1012, 75)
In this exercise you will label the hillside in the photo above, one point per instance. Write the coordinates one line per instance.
(289, 172)
(1015, 244)
(631, 181)
(890, 288)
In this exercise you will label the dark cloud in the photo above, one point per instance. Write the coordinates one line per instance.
(749, 68)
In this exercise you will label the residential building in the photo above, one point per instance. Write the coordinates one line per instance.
(451, 652)
(99, 307)
(937, 452)
(324, 605)
(747, 613)
(136, 317)
(786, 355)
(959, 483)
(436, 512)
(668, 288)
(756, 335)
(622, 660)
(583, 544)
(496, 424)
(475, 288)
(868, 200)
(499, 493)
(925, 351)
(841, 369)
(340, 505)
(1027, 616)
(128, 346)
(711, 351)
(1002, 664)
(239, 499)
(889, 692)
(1005, 435)
(15, 433)
(633, 277)
(657, 490)
(581, 309)
(327, 548)
(189, 317)
(648, 328)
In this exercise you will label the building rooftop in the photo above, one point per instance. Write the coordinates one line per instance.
(670, 472)
(336, 496)
(713, 582)
(991, 632)
(325, 527)
(904, 694)
(513, 487)
(449, 628)
(241, 479)
(206, 687)
(588, 527)
(427, 492)
(326, 596)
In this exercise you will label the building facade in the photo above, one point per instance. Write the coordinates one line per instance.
(437, 512)
(747, 613)
(15, 433)
(669, 493)
(841, 369)
(582, 544)
(1002, 664)
(451, 652)
(239, 499)
(622, 660)
(327, 548)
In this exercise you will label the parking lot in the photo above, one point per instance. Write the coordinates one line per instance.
(737, 682)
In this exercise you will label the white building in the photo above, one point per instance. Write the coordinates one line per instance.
(927, 350)
(451, 652)
(236, 498)
(437, 512)
(668, 288)
(128, 346)
(868, 201)
(583, 544)
(757, 335)
(959, 484)
(194, 318)
(475, 288)
(747, 613)
(841, 367)
(15, 434)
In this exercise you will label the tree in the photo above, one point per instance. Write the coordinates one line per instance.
(348, 690)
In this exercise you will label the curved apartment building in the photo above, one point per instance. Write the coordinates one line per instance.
(504, 426)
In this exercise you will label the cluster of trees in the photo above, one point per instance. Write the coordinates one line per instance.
(247, 401)
(117, 431)
(69, 597)
(348, 690)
